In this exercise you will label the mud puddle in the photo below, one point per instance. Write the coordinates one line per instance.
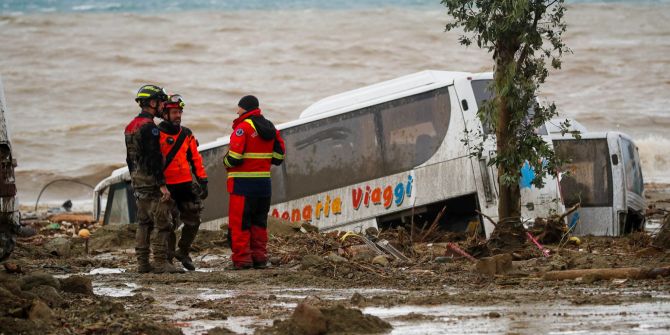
(551, 318)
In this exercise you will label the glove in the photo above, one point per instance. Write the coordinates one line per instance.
(203, 189)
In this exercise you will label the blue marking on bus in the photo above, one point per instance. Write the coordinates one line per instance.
(527, 176)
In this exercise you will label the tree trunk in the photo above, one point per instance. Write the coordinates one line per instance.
(662, 239)
(509, 233)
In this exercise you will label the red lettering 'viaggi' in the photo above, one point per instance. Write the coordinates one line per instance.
(255, 144)
(145, 164)
(182, 160)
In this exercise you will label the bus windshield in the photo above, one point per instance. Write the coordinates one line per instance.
(631, 163)
(587, 176)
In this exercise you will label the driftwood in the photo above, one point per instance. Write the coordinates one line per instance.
(618, 273)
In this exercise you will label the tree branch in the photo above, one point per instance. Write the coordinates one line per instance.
(526, 48)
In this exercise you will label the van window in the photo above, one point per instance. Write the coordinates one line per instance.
(631, 163)
(589, 178)
(413, 128)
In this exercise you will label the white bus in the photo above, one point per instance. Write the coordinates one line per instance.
(375, 156)
(605, 177)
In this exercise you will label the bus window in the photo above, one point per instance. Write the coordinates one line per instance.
(590, 177)
(117, 211)
(413, 129)
(482, 91)
(634, 181)
(331, 153)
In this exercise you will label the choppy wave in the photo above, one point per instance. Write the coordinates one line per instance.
(655, 157)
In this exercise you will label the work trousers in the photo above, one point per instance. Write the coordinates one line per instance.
(153, 213)
(247, 229)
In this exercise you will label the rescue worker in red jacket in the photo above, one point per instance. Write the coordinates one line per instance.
(145, 164)
(182, 159)
(255, 145)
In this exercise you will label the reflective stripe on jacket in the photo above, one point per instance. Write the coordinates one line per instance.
(255, 145)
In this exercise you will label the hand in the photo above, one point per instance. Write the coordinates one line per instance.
(203, 190)
(165, 193)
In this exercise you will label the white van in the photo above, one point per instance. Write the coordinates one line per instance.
(604, 176)
(375, 156)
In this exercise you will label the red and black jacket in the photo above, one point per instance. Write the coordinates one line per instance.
(143, 149)
(255, 145)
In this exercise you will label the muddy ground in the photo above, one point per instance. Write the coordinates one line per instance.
(321, 284)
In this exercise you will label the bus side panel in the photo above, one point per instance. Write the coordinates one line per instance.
(216, 205)
(596, 221)
(348, 206)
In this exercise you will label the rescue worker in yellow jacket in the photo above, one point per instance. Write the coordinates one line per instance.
(182, 160)
(145, 164)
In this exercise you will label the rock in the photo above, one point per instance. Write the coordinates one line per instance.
(442, 260)
(37, 279)
(311, 261)
(12, 267)
(77, 284)
(40, 311)
(357, 299)
(308, 320)
(312, 300)
(494, 315)
(333, 257)
(372, 231)
(342, 320)
(59, 246)
(27, 231)
(363, 256)
(10, 301)
(49, 294)
(275, 260)
(498, 264)
(309, 228)
(380, 260)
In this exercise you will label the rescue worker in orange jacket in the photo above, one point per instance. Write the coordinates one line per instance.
(255, 145)
(145, 164)
(182, 160)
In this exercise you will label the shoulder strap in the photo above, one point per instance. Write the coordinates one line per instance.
(175, 148)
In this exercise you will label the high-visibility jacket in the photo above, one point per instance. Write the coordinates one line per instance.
(255, 145)
(186, 161)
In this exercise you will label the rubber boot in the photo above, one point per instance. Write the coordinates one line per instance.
(188, 234)
(160, 246)
(142, 250)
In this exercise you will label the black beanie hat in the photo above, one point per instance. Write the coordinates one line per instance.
(248, 103)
